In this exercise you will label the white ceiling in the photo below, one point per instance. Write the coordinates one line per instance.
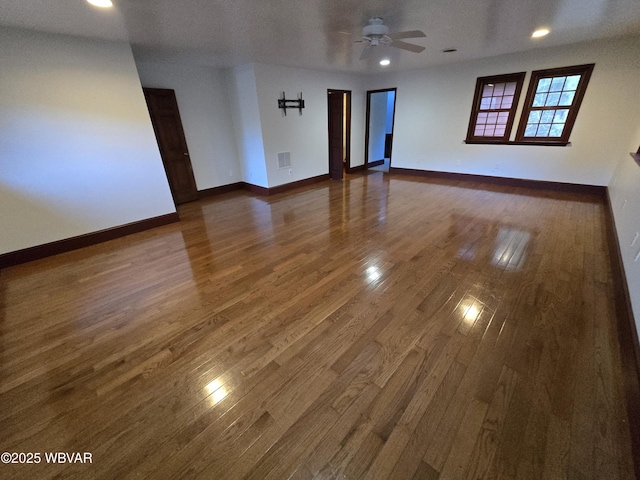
(320, 33)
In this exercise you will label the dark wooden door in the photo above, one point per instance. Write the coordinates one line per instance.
(336, 129)
(165, 117)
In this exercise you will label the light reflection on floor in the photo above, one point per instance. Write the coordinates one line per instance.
(510, 250)
(217, 391)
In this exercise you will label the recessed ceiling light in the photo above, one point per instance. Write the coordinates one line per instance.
(541, 32)
(385, 62)
(101, 3)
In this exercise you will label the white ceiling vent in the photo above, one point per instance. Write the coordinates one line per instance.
(284, 160)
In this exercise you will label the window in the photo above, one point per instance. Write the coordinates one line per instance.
(552, 104)
(494, 107)
(550, 109)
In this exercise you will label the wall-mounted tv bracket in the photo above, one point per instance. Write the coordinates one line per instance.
(298, 103)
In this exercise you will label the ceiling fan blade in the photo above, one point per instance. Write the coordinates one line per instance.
(409, 34)
(366, 52)
(407, 46)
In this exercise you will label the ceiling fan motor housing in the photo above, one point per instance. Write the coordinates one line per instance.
(375, 28)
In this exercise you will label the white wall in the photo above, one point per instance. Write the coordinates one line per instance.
(624, 191)
(306, 135)
(77, 149)
(205, 112)
(245, 112)
(433, 108)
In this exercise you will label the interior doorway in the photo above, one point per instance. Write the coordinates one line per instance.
(381, 109)
(339, 107)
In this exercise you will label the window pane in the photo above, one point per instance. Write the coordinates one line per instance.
(561, 116)
(488, 131)
(572, 82)
(534, 116)
(492, 117)
(482, 118)
(530, 131)
(510, 88)
(543, 130)
(498, 89)
(488, 90)
(495, 102)
(552, 100)
(500, 129)
(485, 103)
(507, 102)
(566, 98)
(539, 99)
(547, 116)
(556, 84)
(556, 130)
(502, 118)
(543, 85)
(479, 130)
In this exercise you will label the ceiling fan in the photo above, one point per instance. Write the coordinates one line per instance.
(376, 33)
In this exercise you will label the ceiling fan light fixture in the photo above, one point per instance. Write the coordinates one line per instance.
(541, 32)
(384, 62)
(377, 33)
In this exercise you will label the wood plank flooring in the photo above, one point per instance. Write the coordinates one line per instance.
(379, 327)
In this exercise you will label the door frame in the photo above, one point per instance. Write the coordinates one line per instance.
(347, 115)
(368, 117)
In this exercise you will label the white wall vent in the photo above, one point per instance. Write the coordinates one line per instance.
(284, 160)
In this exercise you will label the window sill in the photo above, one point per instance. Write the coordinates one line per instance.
(544, 144)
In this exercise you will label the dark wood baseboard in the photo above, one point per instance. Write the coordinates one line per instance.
(627, 332)
(357, 168)
(504, 181)
(258, 190)
(365, 167)
(61, 246)
(286, 187)
(210, 192)
(375, 164)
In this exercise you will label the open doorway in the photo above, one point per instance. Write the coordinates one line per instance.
(339, 104)
(381, 108)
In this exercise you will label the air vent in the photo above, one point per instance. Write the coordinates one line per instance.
(284, 160)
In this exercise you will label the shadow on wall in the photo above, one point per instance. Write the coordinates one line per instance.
(38, 222)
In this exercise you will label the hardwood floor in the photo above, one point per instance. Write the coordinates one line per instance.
(379, 327)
